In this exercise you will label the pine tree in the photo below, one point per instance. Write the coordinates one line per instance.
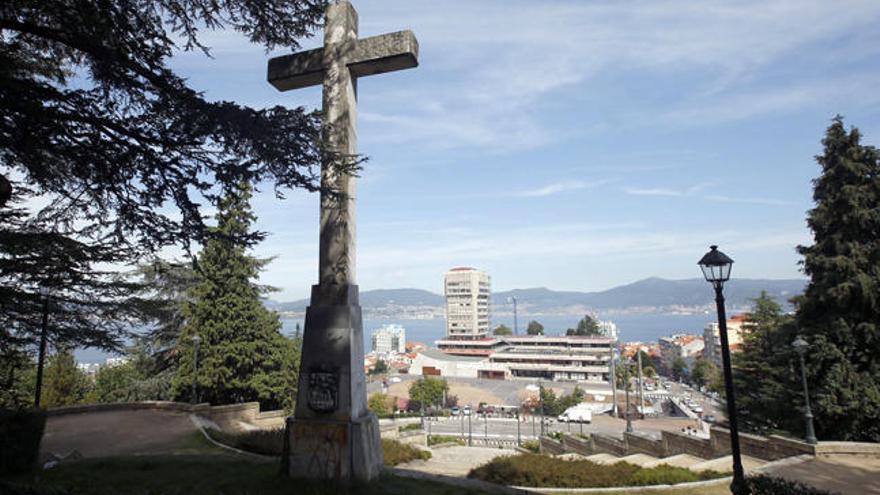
(840, 312)
(64, 384)
(243, 356)
(764, 375)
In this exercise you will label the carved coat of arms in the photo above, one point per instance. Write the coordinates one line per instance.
(323, 391)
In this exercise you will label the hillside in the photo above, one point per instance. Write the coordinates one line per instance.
(651, 294)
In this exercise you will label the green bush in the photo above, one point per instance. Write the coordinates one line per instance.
(266, 442)
(767, 485)
(398, 453)
(20, 434)
(544, 471)
(533, 445)
(410, 427)
(437, 439)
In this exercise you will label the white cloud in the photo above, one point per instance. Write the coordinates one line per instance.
(560, 187)
(656, 191)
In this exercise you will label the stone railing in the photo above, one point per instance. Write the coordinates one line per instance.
(717, 445)
(226, 415)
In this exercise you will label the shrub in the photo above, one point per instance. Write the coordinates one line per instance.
(544, 471)
(20, 435)
(396, 452)
(437, 439)
(533, 445)
(410, 427)
(767, 485)
(266, 442)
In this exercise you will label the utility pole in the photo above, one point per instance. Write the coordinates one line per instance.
(470, 432)
(541, 398)
(518, 435)
(613, 382)
(641, 387)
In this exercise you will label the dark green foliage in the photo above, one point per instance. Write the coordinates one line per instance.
(587, 326)
(438, 439)
(136, 380)
(94, 117)
(768, 485)
(839, 314)
(243, 356)
(679, 368)
(532, 446)
(63, 383)
(767, 382)
(544, 471)
(380, 367)
(20, 434)
(554, 406)
(395, 452)
(704, 373)
(535, 328)
(429, 391)
(18, 376)
(502, 330)
(378, 404)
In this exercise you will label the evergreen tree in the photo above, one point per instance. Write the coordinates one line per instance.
(535, 328)
(764, 377)
(839, 314)
(587, 326)
(63, 383)
(243, 356)
(502, 330)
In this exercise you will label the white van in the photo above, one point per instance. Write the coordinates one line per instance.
(576, 414)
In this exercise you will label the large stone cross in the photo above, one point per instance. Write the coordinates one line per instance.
(336, 66)
(332, 434)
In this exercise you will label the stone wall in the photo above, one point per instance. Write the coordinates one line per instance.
(767, 448)
(609, 444)
(641, 444)
(578, 445)
(552, 447)
(678, 443)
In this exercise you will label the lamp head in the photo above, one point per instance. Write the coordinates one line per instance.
(716, 266)
(196, 339)
(800, 345)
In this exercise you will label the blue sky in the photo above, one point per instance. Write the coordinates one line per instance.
(577, 144)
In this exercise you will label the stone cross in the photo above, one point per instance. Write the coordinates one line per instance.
(332, 434)
(336, 66)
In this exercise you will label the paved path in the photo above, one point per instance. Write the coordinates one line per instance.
(845, 474)
(110, 433)
(456, 461)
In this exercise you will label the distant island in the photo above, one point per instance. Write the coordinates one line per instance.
(648, 296)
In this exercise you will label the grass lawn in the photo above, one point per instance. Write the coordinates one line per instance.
(203, 475)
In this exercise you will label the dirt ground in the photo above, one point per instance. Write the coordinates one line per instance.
(467, 394)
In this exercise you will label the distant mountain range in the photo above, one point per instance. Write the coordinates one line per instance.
(648, 295)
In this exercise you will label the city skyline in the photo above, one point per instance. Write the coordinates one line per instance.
(576, 146)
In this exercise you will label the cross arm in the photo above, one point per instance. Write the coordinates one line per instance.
(384, 53)
(297, 70)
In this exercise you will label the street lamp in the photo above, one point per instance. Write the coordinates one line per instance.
(195, 393)
(41, 359)
(716, 269)
(515, 326)
(626, 384)
(800, 346)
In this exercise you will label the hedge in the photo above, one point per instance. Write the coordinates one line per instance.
(398, 453)
(538, 470)
(20, 435)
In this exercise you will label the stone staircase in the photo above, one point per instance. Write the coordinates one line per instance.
(687, 461)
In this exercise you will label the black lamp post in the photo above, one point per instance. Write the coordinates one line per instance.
(195, 390)
(716, 268)
(800, 346)
(41, 358)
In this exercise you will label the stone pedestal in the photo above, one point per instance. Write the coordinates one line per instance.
(332, 434)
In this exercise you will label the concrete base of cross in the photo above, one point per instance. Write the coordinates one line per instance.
(335, 450)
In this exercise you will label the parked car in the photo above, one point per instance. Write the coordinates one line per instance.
(697, 409)
(466, 411)
(455, 411)
(576, 415)
(394, 379)
(709, 418)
